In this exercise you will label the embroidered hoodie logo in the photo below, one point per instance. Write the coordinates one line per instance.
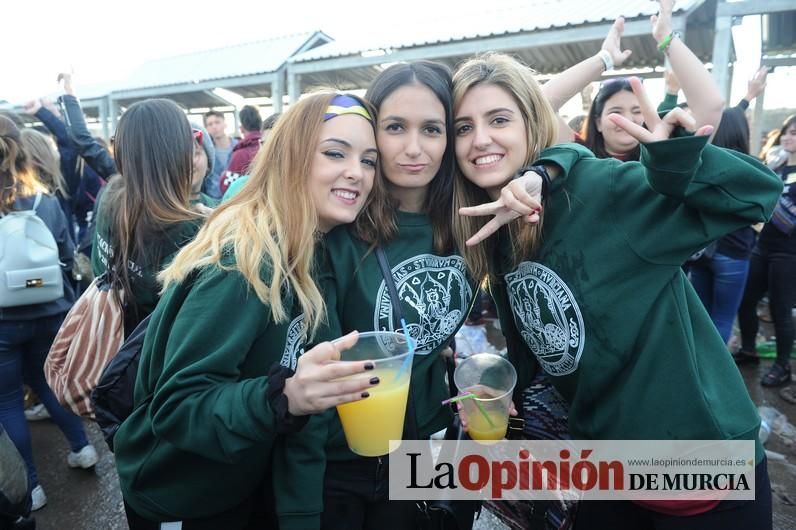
(548, 317)
(294, 343)
(434, 294)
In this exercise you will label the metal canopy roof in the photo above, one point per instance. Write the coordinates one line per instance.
(247, 69)
(549, 35)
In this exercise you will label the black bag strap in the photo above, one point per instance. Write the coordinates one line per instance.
(386, 272)
(410, 422)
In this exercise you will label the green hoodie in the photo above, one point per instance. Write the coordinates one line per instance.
(605, 307)
(436, 292)
(143, 270)
(201, 438)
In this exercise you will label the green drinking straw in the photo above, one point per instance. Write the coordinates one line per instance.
(470, 395)
(408, 361)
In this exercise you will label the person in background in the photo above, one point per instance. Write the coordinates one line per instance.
(615, 96)
(26, 332)
(719, 276)
(773, 270)
(236, 186)
(82, 183)
(43, 158)
(216, 126)
(93, 152)
(576, 123)
(243, 153)
(268, 124)
(144, 214)
(202, 166)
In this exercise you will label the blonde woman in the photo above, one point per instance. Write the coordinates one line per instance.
(214, 385)
(595, 292)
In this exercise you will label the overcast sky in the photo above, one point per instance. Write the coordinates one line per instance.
(102, 41)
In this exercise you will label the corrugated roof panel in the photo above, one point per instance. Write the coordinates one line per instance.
(232, 61)
(779, 33)
(528, 15)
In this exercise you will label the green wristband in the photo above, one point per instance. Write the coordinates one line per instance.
(666, 42)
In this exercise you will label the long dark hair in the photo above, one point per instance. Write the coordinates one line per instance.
(594, 139)
(378, 223)
(153, 150)
(733, 131)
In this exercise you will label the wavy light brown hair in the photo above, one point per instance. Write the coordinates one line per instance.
(44, 161)
(273, 222)
(153, 154)
(17, 179)
(541, 124)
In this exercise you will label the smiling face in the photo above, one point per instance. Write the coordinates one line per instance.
(411, 138)
(491, 137)
(617, 140)
(788, 139)
(343, 168)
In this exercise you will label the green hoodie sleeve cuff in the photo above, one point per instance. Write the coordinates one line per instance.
(671, 163)
(300, 521)
(669, 102)
(564, 156)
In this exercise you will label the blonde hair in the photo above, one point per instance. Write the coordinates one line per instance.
(273, 222)
(541, 127)
(43, 161)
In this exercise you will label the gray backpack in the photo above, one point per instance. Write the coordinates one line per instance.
(30, 267)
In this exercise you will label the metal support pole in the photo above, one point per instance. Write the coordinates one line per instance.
(293, 86)
(278, 91)
(104, 118)
(721, 56)
(114, 113)
(757, 124)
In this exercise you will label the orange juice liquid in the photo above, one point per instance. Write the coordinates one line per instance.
(371, 423)
(479, 429)
(478, 426)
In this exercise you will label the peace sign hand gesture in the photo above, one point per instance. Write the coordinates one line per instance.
(657, 129)
(522, 197)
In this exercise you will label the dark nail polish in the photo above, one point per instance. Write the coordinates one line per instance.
(369, 366)
(365, 394)
(374, 380)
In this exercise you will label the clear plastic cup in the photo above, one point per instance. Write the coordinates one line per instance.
(371, 423)
(491, 378)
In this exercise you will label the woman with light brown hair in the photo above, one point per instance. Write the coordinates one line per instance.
(594, 294)
(44, 160)
(216, 382)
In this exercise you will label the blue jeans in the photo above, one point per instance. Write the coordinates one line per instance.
(24, 346)
(720, 283)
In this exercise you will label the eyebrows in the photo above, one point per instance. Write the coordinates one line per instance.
(492, 112)
(401, 119)
(346, 144)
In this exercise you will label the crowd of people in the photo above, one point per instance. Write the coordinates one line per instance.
(253, 261)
